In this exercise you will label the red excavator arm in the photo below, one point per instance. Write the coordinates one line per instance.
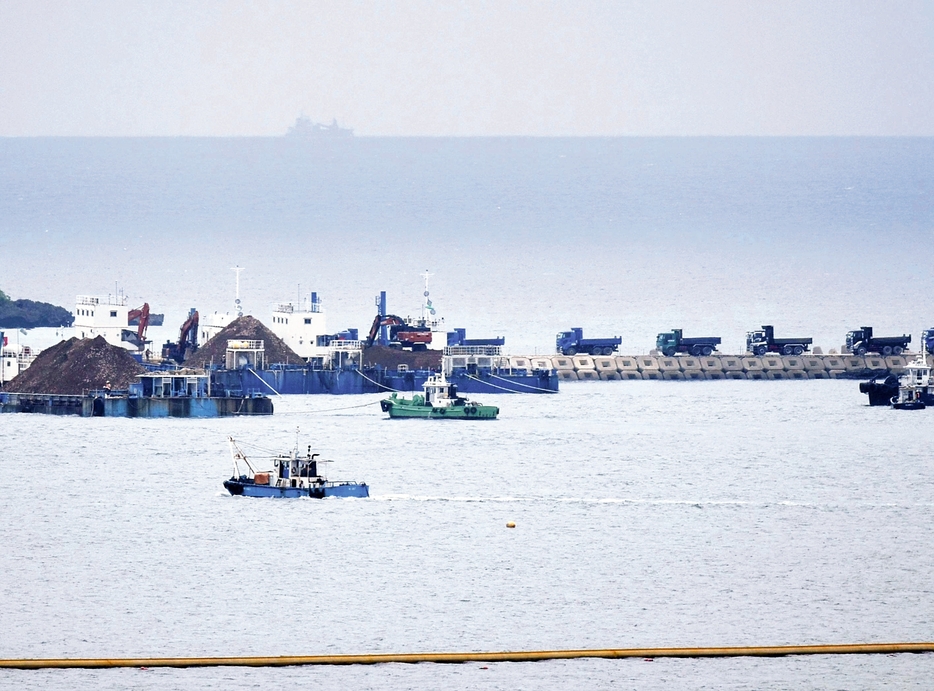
(141, 313)
(380, 320)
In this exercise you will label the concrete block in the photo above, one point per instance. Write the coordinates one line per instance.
(854, 363)
(694, 375)
(876, 363)
(776, 374)
(646, 362)
(669, 364)
(582, 362)
(673, 375)
(566, 375)
(711, 363)
(652, 374)
(797, 374)
(541, 363)
(756, 374)
(772, 363)
(517, 362)
(604, 364)
(834, 362)
(731, 363)
(752, 364)
(627, 375)
(610, 376)
(625, 363)
(733, 374)
(812, 363)
(714, 374)
(793, 362)
(837, 374)
(819, 374)
(588, 375)
(896, 363)
(689, 363)
(560, 362)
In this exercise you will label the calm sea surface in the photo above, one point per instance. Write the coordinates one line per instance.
(648, 513)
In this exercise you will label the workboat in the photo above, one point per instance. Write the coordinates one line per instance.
(439, 401)
(291, 476)
(915, 386)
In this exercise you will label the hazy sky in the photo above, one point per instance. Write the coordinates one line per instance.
(787, 67)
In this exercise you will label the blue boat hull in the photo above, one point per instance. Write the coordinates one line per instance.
(306, 380)
(248, 488)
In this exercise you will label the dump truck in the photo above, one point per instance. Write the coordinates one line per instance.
(670, 342)
(573, 342)
(861, 341)
(458, 337)
(763, 341)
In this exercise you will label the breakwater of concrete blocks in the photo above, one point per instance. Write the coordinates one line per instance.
(640, 367)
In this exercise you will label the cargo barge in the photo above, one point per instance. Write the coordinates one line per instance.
(155, 395)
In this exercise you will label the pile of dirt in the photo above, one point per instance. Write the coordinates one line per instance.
(391, 358)
(248, 329)
(74, 366)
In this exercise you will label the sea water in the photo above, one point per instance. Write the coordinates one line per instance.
(647, 513)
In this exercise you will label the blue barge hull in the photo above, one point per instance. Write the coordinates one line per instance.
(378, 380)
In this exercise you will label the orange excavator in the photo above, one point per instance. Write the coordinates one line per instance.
(401, 334)
(187, 339)
(140, 318)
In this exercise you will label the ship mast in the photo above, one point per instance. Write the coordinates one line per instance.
(427, 309)
(237, 307)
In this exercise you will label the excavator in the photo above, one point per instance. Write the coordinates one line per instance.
(140, 317)
(187, 339)
(401, 335)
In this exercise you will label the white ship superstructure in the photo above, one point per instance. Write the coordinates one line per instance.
(112, 318)
(14, 358)
(301, 327)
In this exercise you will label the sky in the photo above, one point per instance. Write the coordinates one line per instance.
(581, 68)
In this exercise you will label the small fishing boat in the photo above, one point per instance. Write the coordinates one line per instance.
(439, 402)
(291, 476)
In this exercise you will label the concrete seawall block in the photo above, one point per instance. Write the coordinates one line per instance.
(793, 362)
(854, 363)
(583, 362)
(896, 362)
(610, 376)
(652, 374)
(772, 363)
(566, 375)
(588, 375)
(711, 363)
(714, 374)
(797, 374)
(541, 363)
(731, 363)
(756, 374)
(694, 375)
(837, 374)
(688, 363)
(628, 364)
(630, 375)
(560, 362)
(605, 364)
(647, 362)
(814, 363)
(819, 374)
(752, 364)
(520, 363)
(673, 375)
(669, 364)
(733, 374)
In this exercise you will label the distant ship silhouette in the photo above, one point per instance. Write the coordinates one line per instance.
(305, 128)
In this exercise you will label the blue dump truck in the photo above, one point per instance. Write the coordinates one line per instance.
(927, 341)
(764, 341)
(573, 342)
(861, 341)
(670, 342)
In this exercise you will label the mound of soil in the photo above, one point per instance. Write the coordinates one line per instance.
(391, 358)
(76, 365)
(249, 329)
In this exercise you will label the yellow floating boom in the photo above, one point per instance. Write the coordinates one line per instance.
(517, 656)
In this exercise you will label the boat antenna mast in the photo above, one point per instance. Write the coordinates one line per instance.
(238, 308)
(428, 310)
(237, 454)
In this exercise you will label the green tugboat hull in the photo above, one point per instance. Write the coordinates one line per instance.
(402, 408)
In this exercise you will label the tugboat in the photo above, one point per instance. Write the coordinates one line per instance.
(915, 387)
(439, 402)
(291, 476)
